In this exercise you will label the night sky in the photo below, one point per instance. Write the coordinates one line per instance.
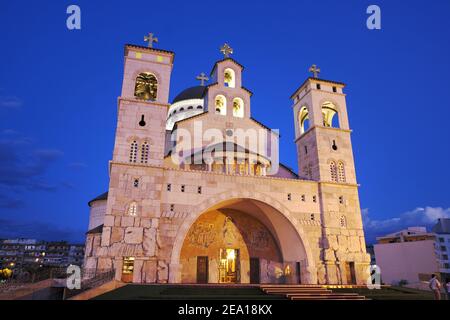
(59, 89)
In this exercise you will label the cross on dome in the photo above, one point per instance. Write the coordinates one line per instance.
(202, 77)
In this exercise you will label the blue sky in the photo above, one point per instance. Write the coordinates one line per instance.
(59, 89)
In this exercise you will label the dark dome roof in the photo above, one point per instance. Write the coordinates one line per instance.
(190, 93)
(103, 196)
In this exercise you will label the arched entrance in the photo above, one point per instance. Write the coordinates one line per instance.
(241, 240)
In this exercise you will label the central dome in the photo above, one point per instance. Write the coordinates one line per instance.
(190, 93)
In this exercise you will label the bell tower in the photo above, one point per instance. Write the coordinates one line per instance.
(133, 207)
(143, 105)
(322, 132)
(325, 155)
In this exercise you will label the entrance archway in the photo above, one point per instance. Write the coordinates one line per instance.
(264, 232)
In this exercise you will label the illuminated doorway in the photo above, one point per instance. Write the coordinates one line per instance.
(127, 269)
(229, 266)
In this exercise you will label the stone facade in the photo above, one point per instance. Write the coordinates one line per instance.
(164, 215)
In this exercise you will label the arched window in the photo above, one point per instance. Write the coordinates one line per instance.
(333, 171)
(190, 107)
(132, 209)
(146, 87)
(238, 107)
(133, 151)
(329, 114)
(229, 78)
(181, 109)
(303, 120)
(341, 171)
(144, 152)
(199, 107)
(220, 103)
(342, 222)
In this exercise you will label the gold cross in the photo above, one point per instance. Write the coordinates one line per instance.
(202, 77)
(150, 40)
(314, 70)
(226, 50)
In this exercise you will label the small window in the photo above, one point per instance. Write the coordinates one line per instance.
(313, 217)
(341, 200)
(342, 222)
(181, 109)
(341, 172)
(314, 198)
(182, 188)
(306, 150)
(334, 89)
(133, 151)
(334, 145)
(190, 107)
(199, 190)
(145, 148)
(142, 122)
(289, 196)
(172, 207)
(318, 86)
(136, 183)
(441, 239)
(169, 187)
(132, 209)
(333, 171)
(303, 198)
(199, 107)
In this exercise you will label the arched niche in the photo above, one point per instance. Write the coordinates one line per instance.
(229, 78)
(238, 107)
(330, 115)
(220, 105)
(303, 119)
(146, 87)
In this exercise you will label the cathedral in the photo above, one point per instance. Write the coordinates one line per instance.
(197, 193)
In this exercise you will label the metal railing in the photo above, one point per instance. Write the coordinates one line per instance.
(90, 279)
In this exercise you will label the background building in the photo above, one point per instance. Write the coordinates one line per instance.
(408, 256)
(442, 231)
(22, 255)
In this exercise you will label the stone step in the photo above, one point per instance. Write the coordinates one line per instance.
(313, 292)
(291, 286)
(268, 291)
(298, 289)
(329, 298)
(321, 294)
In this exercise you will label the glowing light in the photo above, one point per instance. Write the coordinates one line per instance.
(231, 255)
(287, 271)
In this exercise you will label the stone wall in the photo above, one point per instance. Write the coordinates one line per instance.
(152, 236)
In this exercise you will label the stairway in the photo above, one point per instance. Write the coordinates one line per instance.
(308, 292)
